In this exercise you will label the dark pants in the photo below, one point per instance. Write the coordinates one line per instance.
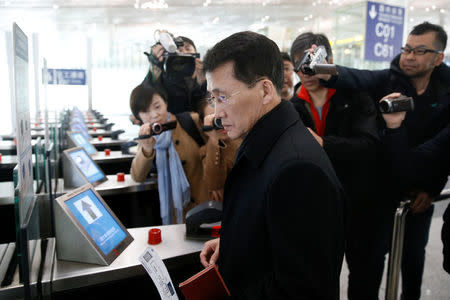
(368, 242)
(416, 238)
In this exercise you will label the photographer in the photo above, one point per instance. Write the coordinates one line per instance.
(181, 77)
(414, 166)
(343, 122)
(418, 72)
(218, 153)
(175, 153)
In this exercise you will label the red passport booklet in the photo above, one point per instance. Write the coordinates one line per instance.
(205, 285)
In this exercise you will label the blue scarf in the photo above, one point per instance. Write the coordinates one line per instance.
(173, 186)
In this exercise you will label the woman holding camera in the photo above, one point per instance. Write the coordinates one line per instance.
(176, 153)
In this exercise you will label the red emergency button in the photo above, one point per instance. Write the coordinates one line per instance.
(0, 157)
(120, 177)
(95, 129)
(107, 152)
(100, 138)
(154, 236)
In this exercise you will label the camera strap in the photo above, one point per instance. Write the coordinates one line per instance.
(188, 124)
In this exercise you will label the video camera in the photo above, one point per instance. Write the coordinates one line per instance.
(175, 64)
(393, 105)
(312, 63)
(217, 124)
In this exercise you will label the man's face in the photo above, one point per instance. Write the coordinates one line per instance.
(244, 105)
(414, 65)
(288, 84)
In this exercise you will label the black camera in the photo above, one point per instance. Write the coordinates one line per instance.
(217, 124)
(179, 65)
(312, 63)
(175, 64)
(393, 105)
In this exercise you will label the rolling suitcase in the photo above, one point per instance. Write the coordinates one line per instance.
(395, 255)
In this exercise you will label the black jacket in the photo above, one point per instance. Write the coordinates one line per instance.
(282, 233)
(350, 140)
(430, 114)
(431, 158)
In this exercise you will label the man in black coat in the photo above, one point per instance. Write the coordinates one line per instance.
(282, 233)
(344, 123)
(418, 72)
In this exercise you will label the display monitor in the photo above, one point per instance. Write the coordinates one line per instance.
(81, 128)
(97, 224)
(80, 141)
(84, 163)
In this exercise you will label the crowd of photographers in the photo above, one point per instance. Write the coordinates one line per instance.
(385, 133)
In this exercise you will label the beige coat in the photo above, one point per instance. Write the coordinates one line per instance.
(218, 162)
(190, 157)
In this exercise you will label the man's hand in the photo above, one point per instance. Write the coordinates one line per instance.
(212, 135)
(158, 51)
(393, 120)
(210, 252)
(199, 75)
(421, 203)
(146, 144)
(324, 77)
(316, 136)
(216, 195)
(134, 120)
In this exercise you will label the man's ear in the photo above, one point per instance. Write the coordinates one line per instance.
(267, 90)
(439, 59)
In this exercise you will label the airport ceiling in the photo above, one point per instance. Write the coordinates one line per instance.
(210, 17)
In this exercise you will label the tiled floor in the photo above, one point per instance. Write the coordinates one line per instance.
(436, 282)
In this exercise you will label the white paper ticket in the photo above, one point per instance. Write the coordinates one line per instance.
(159, 274)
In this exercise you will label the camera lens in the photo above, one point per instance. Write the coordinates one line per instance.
(156, 128)
(385, 106)
(218, 123)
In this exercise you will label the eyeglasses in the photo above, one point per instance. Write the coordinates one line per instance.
(418, 50)
(212, 100)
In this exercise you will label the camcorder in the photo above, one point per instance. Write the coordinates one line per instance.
(158, 128)
(175, 64)
(313, 63)
(393, 105)
(217, 124)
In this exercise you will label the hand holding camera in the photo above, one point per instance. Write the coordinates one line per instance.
(314, 62)
(146, 144)
(392, 115)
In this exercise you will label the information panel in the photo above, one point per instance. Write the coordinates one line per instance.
(66, 76)
(23, 132)
(384, 31)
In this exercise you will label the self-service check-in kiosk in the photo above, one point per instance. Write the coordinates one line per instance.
(77, 139)
(79, 169)
(86, 228)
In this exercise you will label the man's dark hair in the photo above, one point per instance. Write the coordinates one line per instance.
(440, 42)
(253, 56)
(305, 40)
(188, 40)
(285, 56)
(141, 98)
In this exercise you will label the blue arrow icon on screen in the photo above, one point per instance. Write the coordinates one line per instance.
(373, 12)
(87, 207)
